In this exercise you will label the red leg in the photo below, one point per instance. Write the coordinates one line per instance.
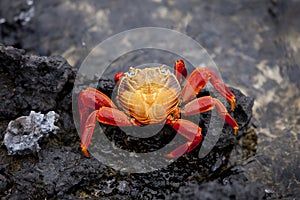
(91, 99)
(87, 133)
(105, 115)
(190, 131)
(198, 79)
(113, 116)
(206, 103)
(180, 70)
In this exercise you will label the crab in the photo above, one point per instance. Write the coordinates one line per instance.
(154, 95)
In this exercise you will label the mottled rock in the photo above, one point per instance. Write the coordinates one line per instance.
(60, 170)
(22, 135)
(33, 83)
(3, 183)
(216, 190)
(37, 83)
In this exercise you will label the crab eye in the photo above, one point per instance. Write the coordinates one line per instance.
(131, 73)
(163, 71)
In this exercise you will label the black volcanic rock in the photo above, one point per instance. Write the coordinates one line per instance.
(59, 169)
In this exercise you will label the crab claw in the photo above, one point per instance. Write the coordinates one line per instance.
(118, 76)
(180, 70)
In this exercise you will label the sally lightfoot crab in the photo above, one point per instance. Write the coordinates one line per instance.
(154, 95)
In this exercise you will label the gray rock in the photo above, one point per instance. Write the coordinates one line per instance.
(3, 183)
(214, 190)
(23, 134)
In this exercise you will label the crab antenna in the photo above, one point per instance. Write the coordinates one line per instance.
(118, 76)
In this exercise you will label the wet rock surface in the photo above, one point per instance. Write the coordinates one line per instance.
(59, 169)
(228, 189)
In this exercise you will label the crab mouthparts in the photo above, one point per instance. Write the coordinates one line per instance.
(149, 92)
(149, 98)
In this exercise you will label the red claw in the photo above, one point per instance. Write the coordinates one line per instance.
(118, 76)
(180, 70)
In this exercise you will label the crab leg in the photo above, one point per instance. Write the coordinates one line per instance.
(206, 103)
(91, 99)
(199, 78)
(87, 133)
(190, 131)
(113, 116)
(105, 115)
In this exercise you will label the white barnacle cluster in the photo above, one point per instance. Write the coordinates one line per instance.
(23, 134)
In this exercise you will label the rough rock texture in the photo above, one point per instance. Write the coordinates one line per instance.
(25, 77)
(23, 134)
(34, 83)
(230, 188)
(59, 169)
